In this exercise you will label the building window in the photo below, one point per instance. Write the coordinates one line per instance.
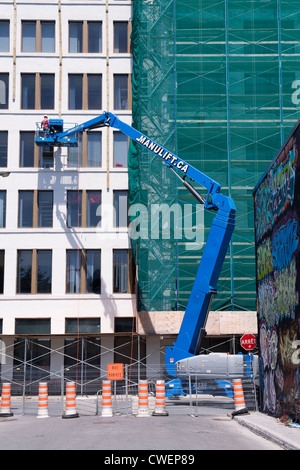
(36, 351)
(120, 208)
(73, 271)
(124, 325)
(45, 208)
(2, 209)
(3, 90)
(74, 208)
(93, 211)
(75, 36)
(37, 91)
(84, 208)
(85, 91)
(46, 157)
(120, 150)
(88, 152)
(85, 36)
(83, 271)
(24, 271)
(93, 271)
(40, 326)
(34, 271)
(44, 271)
(32, 155)
(82, 325)
(1, 271)
(28, 91)
(121, 92)
(4, 36)
(82, 356)
(25, 208)
(3, 148)
(120, 36)
(120, 271)
(93, 149)
(47, 91)
(27, 149)
(94, 36)
(94, 91)
(127, 351)
(75, 91)
(48, 36)
(38, 36)
(35, 208)
(75, 153)
(28, 36)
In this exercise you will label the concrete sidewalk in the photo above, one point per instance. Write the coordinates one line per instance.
(271, 429)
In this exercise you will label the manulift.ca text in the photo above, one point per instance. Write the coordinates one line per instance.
(152, 459)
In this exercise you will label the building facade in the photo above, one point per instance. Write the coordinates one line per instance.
(66, 269)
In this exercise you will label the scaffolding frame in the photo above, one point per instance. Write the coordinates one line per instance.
(216, 81)
(26, 373)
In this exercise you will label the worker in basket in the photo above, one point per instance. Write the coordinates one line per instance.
(45, 125)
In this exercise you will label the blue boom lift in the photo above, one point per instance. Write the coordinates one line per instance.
(182, 358)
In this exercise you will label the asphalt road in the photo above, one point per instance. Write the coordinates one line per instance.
(207, 427)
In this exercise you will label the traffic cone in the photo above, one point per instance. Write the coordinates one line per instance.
(43, 400)
(160, 400)
(239, 400)
(106, 399)
(143, 403)
(70, 401)
(6, 401)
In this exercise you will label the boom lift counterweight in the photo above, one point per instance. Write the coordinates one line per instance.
(185, 351)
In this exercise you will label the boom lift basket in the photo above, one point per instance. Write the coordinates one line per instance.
(48, 137)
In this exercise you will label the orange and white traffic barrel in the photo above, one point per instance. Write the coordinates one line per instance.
(160, 399)
(70, 411)
(239, 399)
(6, 401)
(43, 400)
(143, 402)
(107, 410)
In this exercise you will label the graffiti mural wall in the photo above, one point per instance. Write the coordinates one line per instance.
(277, 233)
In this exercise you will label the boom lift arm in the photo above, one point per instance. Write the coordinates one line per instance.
(188, 341)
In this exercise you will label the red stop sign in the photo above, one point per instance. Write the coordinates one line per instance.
(248, 342)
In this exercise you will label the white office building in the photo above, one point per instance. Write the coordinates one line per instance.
(66, 276)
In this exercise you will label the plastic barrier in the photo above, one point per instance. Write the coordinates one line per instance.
(6, 401)
(160, 400)
(239, 400)
(107, 410)
(143, 402)
(43, 401)
(70, 401)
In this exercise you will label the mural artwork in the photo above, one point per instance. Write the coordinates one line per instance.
(277, 231)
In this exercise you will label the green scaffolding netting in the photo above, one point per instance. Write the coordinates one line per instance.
(216, 83)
